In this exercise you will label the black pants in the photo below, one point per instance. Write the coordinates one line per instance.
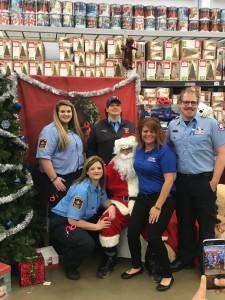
(139, 218)
(195, 200)
(75, 246)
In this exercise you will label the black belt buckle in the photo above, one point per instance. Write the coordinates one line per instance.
(127, 198)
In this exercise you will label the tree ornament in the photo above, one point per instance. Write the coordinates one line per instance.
(18, 106)
(5, 124)
(17, 181)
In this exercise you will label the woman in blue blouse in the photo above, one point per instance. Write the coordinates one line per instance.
(155, 166)
(76, 216)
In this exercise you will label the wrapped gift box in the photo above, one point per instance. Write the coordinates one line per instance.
(32, 270)
(5, 280)
(51, 258)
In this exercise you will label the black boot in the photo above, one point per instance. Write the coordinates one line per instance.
(106, 266)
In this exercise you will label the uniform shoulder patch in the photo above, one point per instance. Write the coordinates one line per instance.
(221, 126)
(42, 143)
(78, 202)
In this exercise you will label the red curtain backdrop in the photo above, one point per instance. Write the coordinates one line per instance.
(37, 104)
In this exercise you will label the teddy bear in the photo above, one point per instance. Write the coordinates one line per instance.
(220, 226)
(205, 110)
(127, 49)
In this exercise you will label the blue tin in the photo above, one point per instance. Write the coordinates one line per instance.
(16, 6)
(79, 9)
(182, 13)
(91, 9)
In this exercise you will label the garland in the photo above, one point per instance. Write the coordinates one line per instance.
(88, 94)
(11, 90)
(9, 135)
(10, 167)
(18, 227)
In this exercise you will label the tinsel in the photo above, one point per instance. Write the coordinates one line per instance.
(9, 167)
(11, 90)
(9, 135)
(19, 193)
(18, 227)
(87, 94)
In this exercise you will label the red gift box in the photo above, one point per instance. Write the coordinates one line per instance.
(32, 271)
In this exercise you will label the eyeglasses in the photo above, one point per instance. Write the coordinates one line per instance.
(186, 103)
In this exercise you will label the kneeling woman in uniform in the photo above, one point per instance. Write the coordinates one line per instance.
(75, 219)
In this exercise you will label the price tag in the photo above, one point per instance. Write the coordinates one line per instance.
(216, 83)
(189, 84)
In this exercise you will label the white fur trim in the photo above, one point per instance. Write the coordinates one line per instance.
(109, 241)
(132, 185)
(125, 142)
(122, 208)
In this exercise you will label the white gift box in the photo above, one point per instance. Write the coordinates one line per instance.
(50, 256)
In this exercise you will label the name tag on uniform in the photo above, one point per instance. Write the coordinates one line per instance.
(199, 131)
(103, 130)
(151, 159)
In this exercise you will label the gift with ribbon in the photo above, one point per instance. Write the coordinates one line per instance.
(32, 270)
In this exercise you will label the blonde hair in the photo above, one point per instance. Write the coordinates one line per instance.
(88, 163)
(191, 91)
(153, 124)
(73, 124)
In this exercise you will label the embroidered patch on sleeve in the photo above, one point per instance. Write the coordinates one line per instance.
(42, 143)
(77, 203)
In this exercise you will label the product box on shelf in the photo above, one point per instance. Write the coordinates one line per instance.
(114, 48)
(5, 280)
(32, 271)
(166, 69)
(35, 50)
(188, 70)
(79, 58)
(51, 68)
(36, 68)
(171, 50)
(159, 73)
(100, 46)
(90, 72)
(162, 92)
(66, 69)
(149, 93)
(210, 70)
(140, 52)
(80, 71)
(150, 69)
(209, 45)
(175, 70)
(99, 59)
(65, 54)
(139, 66)
(208, 54)
(5, 49)
(78, 44)
(190, 49)
(100, 71)
(19, 50)
(154, 50)
(21, 67)
(89, 45)
(202, 69)
(50, 256)
(6, 67)
(109, 68)
(90, 59)
(219, 64)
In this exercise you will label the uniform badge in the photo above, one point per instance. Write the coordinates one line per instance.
(78, 203)
(42, 143)
(151, 159)
(126, 130)
(199, 131)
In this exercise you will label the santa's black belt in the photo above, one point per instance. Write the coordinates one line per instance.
(199, 175)
(129, 198)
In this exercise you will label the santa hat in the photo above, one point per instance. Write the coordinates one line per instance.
(128, 140)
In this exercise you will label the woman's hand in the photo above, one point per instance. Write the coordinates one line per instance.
(201, 292)
(103, 223)
(59, 185)
(154, 214)
(111, 210)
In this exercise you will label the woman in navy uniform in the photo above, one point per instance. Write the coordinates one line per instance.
(155, 166)
(60, 152)
(75, 220)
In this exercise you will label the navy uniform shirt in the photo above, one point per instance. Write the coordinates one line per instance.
(195, 143)
(82, 201)
(66, 161)
(150, 167)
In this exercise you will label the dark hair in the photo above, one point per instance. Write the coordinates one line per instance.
(152, 124)
(88, 163)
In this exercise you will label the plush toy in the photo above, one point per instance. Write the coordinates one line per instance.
(205, 110)
(220, 226)
(127, 53)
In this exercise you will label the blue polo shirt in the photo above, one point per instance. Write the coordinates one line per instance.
(82, 201)
(195, 143)
(66, 161)
(150, 167)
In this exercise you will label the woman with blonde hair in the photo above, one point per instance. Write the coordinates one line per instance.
(75, 220)
(60, 151)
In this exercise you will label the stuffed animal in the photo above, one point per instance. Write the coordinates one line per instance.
(220, 226)
(205, 110)
(127, 53)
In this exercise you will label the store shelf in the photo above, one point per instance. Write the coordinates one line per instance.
(52, 33)
(150, 84)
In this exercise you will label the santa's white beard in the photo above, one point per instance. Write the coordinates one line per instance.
(124, 165)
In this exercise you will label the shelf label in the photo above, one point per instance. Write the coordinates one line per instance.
(216, 83)
(189, 84)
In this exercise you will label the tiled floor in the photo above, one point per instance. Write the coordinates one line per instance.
(111, 288)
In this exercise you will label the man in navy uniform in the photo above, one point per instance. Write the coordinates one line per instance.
(105, 132)
(200, 147)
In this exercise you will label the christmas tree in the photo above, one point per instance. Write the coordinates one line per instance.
(17, 232)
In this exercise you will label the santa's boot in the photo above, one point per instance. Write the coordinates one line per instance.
(108, 262)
